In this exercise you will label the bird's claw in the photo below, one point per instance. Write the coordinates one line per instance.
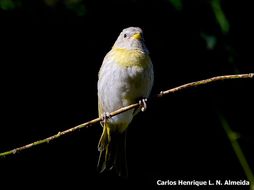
(105, 116)
(143, 104)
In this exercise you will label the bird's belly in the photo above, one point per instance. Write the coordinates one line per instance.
(122, 87)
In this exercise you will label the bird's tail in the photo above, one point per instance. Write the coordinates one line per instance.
(112, 147)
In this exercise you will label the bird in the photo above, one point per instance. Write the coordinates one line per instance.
(126, 76)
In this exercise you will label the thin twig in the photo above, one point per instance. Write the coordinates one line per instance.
(206, 81)
(124, 109)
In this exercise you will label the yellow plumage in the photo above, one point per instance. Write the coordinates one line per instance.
(127, 58)
(125, 77)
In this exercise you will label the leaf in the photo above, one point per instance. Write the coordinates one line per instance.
(220, 16)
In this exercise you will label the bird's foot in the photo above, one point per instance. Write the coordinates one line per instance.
(105, 116)
(143, 104)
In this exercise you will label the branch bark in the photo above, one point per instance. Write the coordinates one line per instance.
(124, 109)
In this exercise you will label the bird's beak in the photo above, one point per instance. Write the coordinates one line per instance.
(137, 36)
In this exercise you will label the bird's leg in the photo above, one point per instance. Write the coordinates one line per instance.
(143, 104)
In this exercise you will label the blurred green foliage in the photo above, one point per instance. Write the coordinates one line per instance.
(9, 4)
(77, 6)
(216, 8)
(233, 137)
(210, 40)
(51, 3)
(177, 4)
(220, 16)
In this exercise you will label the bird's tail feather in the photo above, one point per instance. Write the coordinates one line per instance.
(112, 147)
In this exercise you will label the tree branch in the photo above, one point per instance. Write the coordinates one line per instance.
(124, 109)
(206, 81)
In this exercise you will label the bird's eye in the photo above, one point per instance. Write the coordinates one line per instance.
(125, 35)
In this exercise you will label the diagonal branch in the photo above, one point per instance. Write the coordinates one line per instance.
(124, 109)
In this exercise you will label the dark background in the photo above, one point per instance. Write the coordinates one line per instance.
(50, 58)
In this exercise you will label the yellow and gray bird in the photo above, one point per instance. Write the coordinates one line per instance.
(125, 77)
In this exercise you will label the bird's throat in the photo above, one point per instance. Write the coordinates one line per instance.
(127, 58)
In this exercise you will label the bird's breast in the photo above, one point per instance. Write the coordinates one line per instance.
(128, 58)
(125, 76)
